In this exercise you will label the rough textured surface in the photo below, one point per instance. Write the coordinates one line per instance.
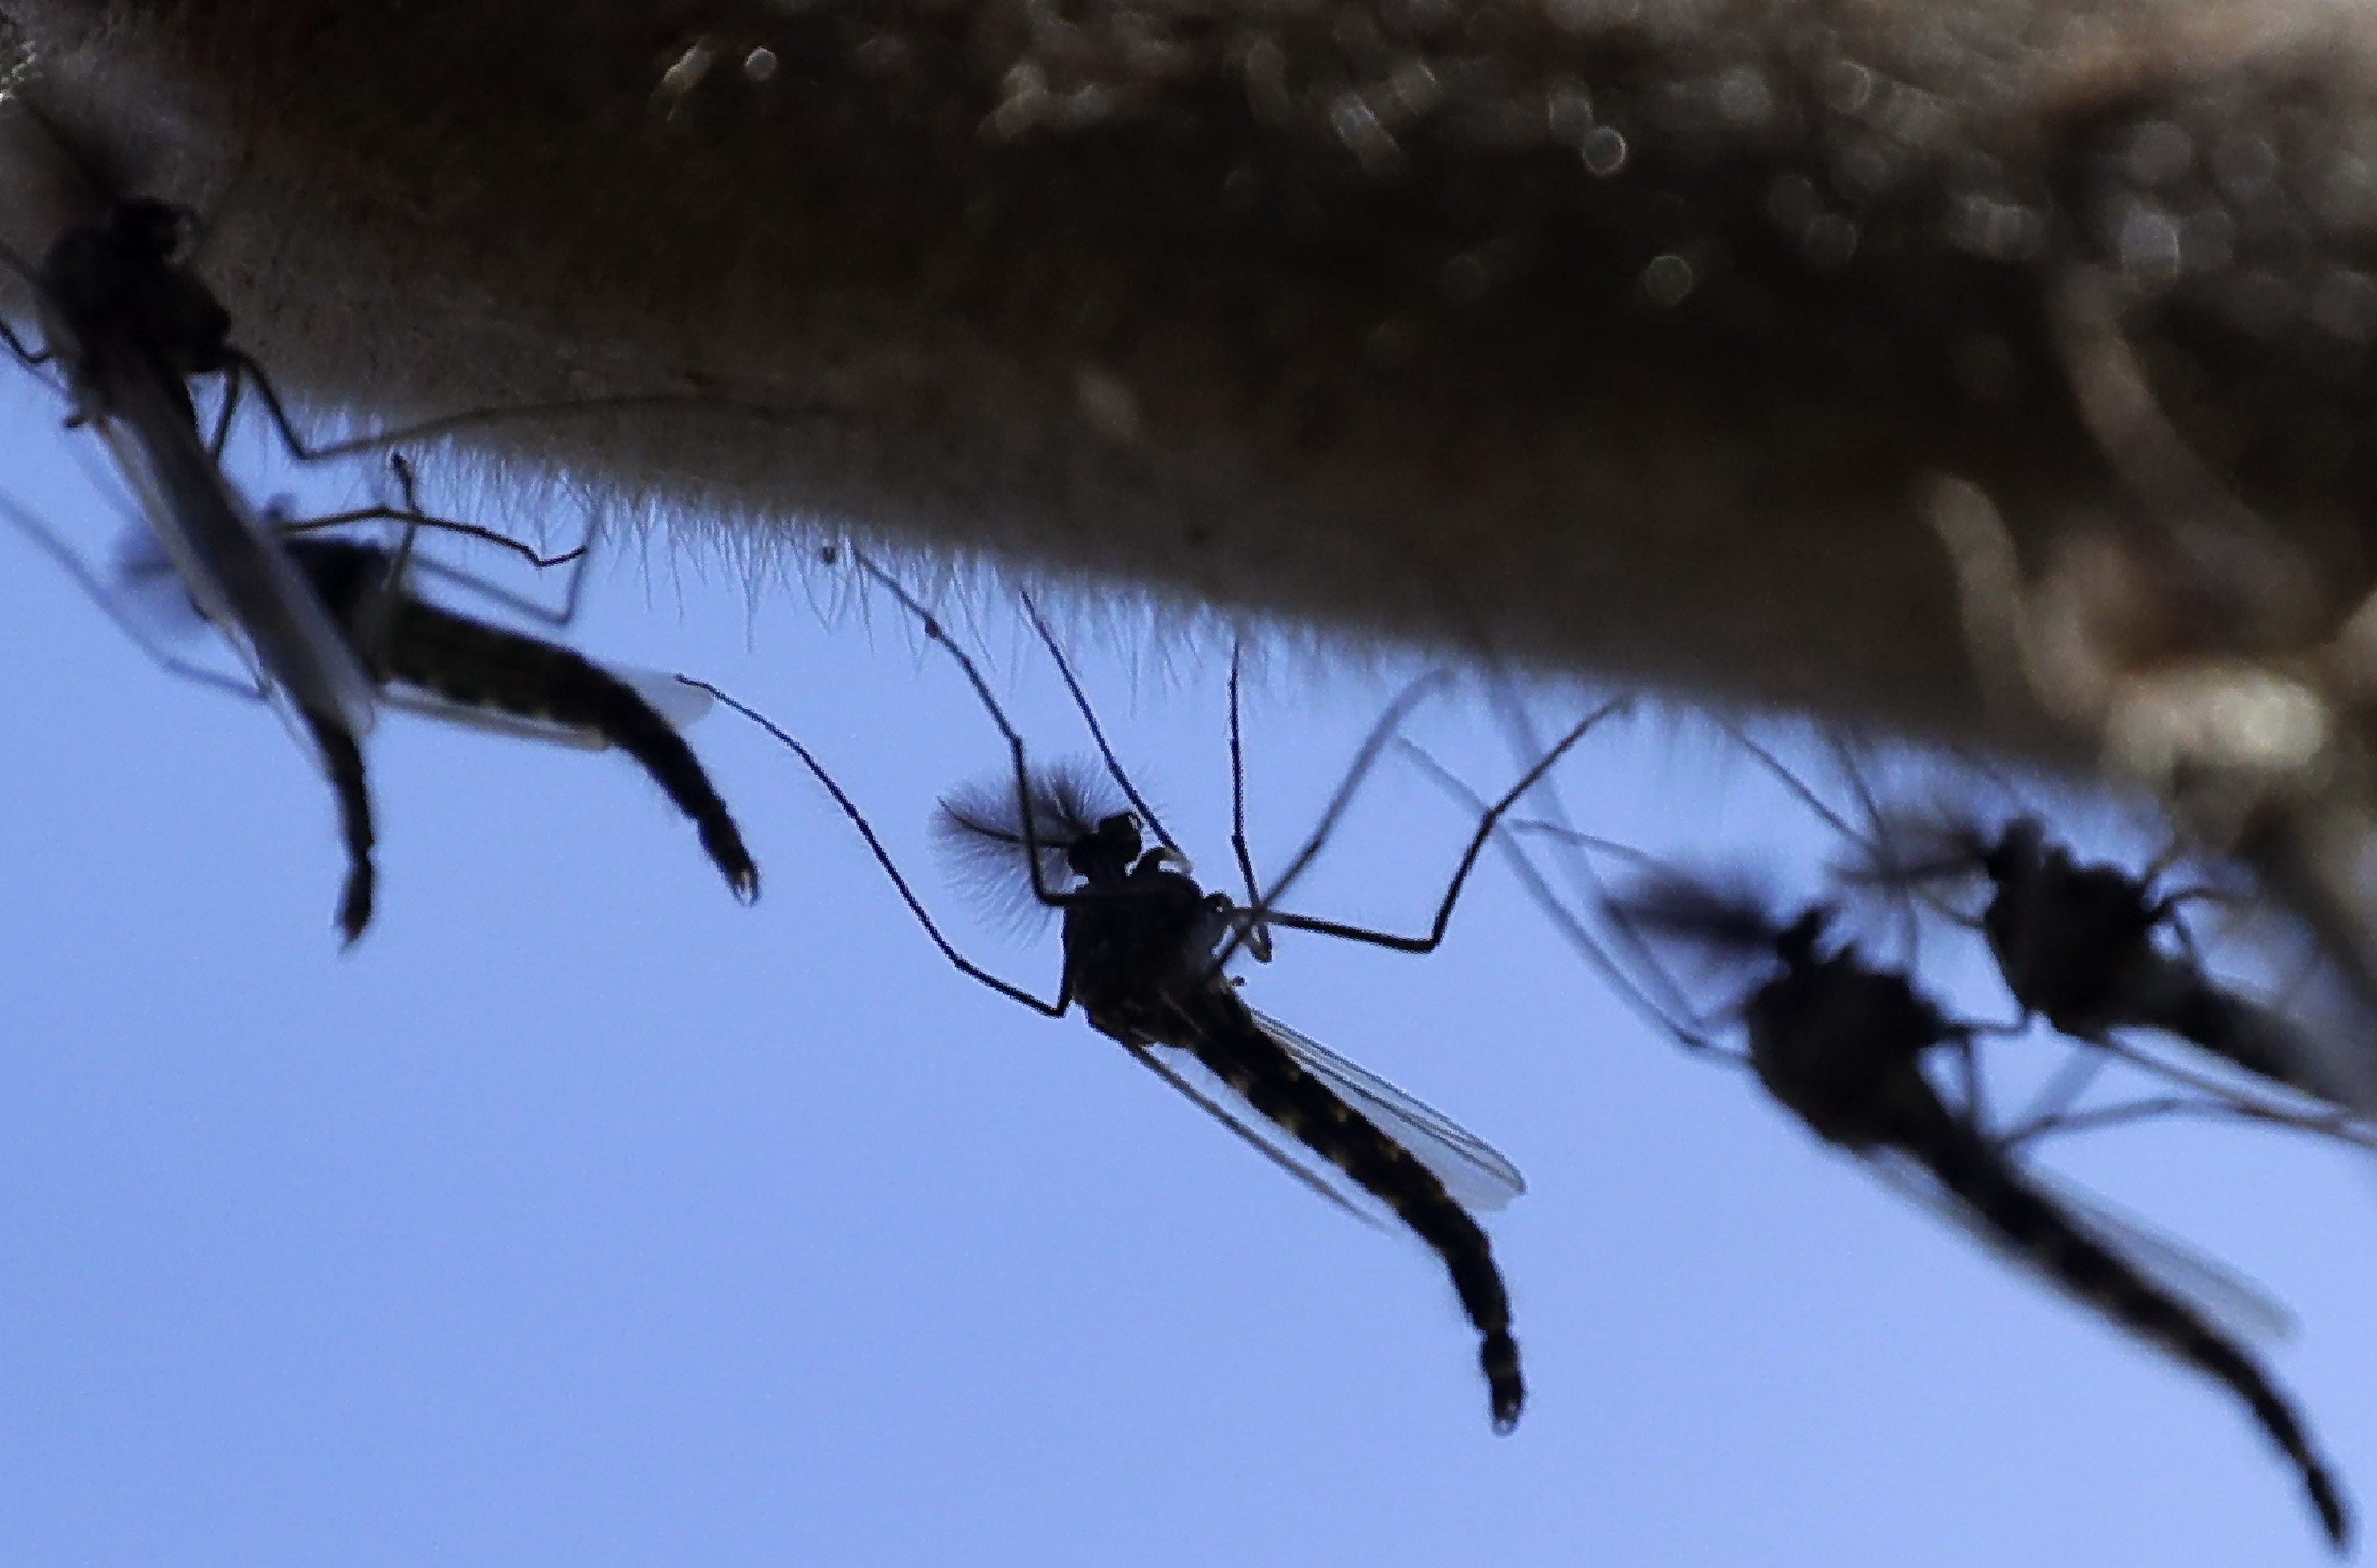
(1630, 331)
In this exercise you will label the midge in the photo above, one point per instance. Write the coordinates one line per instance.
(2076, 942)
(1841, 1045)
(2081, 944)
(129, 322)
(427, 659)
(1145, 948)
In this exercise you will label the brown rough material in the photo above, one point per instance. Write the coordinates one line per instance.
(1632, 332)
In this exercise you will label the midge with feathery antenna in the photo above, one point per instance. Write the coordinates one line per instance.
(1145, 950)
(424, 658)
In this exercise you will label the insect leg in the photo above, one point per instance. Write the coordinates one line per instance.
(1476, 845)
(1025, 815)
(1674, 1016)
(883, 858)
(1097, 732)
(1258, 938)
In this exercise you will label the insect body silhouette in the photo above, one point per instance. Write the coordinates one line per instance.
(421, 657)
(471, 668)
(1841, 1043)
(129, 322)
(2075, 941)
(1145, 946)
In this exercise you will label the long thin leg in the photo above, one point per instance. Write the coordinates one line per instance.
(1258, 938)
(1024, 813)
(1582, 877)
(577, 559)
(883, 858)
(479, 532)
(1674, 1016)
(1365, 759)
(1097, 733)
(1475, 846)
(221, 437)
(2329, 1124)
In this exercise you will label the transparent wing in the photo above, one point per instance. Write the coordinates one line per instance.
(490, 721)
(144, 585)
(672, 699)
(1472, 1170)
(235, 571)
(1198, 1085)
(2236, 1303)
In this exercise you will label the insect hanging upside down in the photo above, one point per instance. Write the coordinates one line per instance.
(2075, 941)
(1144, 946)
(480, 675)
(1146, 949)
(1840, 1044)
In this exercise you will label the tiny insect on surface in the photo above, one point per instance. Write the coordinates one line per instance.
(1841, 1045)
(1145, 949)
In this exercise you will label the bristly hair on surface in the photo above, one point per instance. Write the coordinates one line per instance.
(980, 834)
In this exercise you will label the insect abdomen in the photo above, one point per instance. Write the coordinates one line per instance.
(342, 758)
(484, 666)
(1310, 1113)
(2034, 1226)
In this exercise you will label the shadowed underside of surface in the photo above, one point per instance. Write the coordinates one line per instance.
(1630, 334)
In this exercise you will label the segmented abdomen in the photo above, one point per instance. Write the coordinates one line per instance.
(1305, 1108)
(342, 758)
(2033, 1226)
(478, 665)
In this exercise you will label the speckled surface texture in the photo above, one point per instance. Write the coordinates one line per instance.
(1629, 332)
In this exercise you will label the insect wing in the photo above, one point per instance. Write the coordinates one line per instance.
(2239, 1306)
(236, 573)
(1476, 1175)
(678, 705)
(1198, 1085)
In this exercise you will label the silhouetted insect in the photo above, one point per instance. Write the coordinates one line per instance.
(1841, 1045)
(1145, 948)
(2075, 943)
(129, 323)
(432, 661)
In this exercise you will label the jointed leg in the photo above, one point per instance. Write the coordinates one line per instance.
(1026, 815)
(1476, 845)
(883, 858)
(1258, 939)
(1097, 733)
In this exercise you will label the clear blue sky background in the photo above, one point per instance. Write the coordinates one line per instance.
(583, 1216)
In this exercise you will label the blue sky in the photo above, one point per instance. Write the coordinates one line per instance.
(582, 1215)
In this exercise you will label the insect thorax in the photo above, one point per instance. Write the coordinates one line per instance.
(1829, 1038)
(2067, 938)
(1142, 953)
